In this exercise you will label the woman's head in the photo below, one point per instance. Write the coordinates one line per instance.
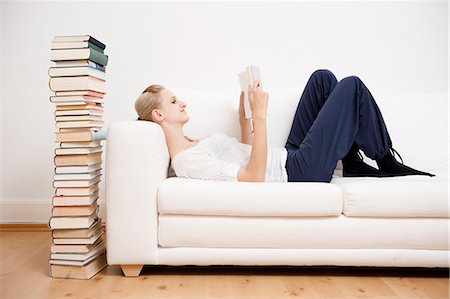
(158, 104)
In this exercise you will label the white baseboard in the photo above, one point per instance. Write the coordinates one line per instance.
(32, 211)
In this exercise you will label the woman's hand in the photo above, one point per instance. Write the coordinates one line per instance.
(241, 108)
(258, 101)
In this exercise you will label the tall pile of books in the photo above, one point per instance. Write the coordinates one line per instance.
(77, 79)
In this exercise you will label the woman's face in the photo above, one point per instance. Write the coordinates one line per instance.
(172, 108)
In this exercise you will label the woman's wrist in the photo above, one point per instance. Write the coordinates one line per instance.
(259, 118)
(244, 120)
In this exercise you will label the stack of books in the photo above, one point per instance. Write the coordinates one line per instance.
(77, 79)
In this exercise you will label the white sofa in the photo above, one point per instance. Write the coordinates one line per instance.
(155, 218)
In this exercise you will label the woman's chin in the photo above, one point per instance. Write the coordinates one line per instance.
(185, 120)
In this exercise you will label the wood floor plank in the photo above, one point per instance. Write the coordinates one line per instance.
(404, 288)
(25, 259)
(352, 286)
(430, 287)
(302, 286)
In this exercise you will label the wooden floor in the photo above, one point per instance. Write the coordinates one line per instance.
(24, 274)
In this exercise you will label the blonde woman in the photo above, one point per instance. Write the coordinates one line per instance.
(333, 121)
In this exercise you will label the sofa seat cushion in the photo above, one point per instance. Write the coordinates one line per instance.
(302, 232)
(408, 196)
(205, 197)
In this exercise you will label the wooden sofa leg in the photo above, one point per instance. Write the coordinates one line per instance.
(131, 270)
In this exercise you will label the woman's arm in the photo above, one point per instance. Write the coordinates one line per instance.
(246, 131)
(255, 171)
(246, 126)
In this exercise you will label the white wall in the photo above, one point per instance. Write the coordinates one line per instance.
(395, 47)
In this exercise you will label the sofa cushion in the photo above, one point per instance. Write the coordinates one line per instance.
(409, 196)
(201, 197)
(302, 232)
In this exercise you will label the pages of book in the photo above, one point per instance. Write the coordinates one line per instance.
(247, 78)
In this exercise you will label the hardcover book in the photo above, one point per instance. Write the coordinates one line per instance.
(79, 270)
(73, 222)
(78, 232)
(78, 38)
(246, 78)
(78, 54)
(77, 191)
(64, 201)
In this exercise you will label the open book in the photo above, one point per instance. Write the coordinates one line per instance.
(247, 78)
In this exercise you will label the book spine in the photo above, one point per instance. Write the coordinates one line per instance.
(98, 57)
(97, 66)
(99, 135)
(95, 47)
(97, 43)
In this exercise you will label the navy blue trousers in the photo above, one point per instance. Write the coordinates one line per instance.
(330, 117)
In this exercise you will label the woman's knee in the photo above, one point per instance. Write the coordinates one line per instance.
(323, 73)
(351, 80)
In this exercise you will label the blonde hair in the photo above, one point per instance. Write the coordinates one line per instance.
(147, 101)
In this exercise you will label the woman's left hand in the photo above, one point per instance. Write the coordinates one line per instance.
(241, 107)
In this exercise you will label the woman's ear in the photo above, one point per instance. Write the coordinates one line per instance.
(158, 117)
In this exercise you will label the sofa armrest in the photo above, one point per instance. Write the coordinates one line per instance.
(137, 161)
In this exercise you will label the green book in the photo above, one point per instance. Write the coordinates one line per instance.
(76, 45)
(79, 54)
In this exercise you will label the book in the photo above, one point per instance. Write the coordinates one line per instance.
(79, 124)
(91, 240)
(77, 83)
(76, 71)
(75, 184)
(70, 201)
(87, 105)
(76, 45)
(77, 54)
(77, 117)
(77, 176)
(78, 151)
(80, 144)
(78, 232)
(82, 62)
(79, 272)
(79, 112)
(74, 248)
(72, 222)
(90, 93)
(79, 256)
(74, 160)
(91, 129)
(74, 210)
(78, 169)
(246, 78)
(78, 264)
(75, 100)
(78, 38)
(80, 136)
(78, 191)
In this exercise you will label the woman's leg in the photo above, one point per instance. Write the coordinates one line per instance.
(349, 115)
(320, 85)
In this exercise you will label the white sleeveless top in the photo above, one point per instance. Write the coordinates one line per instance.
(219, 157)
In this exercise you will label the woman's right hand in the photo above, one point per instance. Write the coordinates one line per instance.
(258, 100)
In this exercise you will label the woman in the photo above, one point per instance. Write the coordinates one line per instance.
(332, 122)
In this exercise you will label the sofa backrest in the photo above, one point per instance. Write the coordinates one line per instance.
(214, 112)
(417, 123)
